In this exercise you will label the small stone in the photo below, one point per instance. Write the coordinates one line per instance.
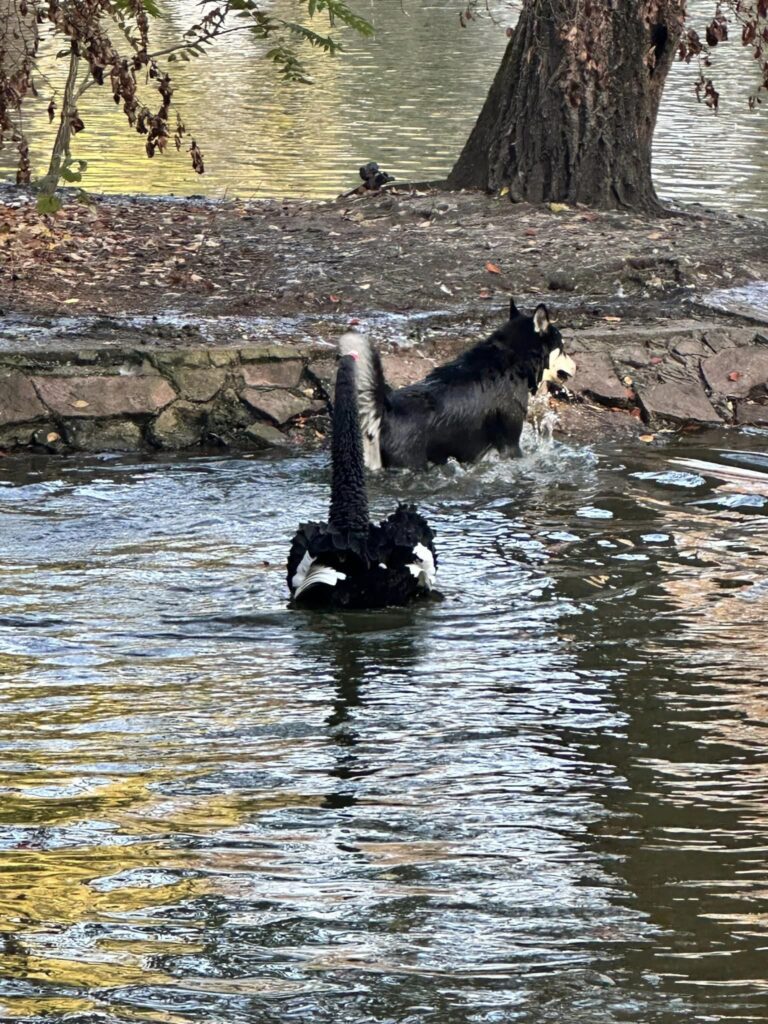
(195, 357)
(689, 347)
(633, 355)
(324, 372)
(277, 404)
(561, 282)
(18, 436)
(752, 414)
(684, 402)
(285, 373)
(265, 436)
(105, 396)
(223, 356)
(179, 426)
(49, 439)
(18, 400)
(103, 436)
(737, 372)
(596, 378)
(718, 339)
(198, 385)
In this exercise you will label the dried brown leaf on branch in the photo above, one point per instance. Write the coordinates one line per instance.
(197, 158)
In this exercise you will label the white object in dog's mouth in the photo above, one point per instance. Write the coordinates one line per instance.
(560, 369)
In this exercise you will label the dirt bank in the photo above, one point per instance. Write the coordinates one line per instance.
(135, 290)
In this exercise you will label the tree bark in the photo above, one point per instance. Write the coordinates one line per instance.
(571, 113)
(61, 151)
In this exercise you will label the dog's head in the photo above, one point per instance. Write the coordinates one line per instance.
(550, 363)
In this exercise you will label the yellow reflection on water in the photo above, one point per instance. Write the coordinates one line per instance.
(407, 98)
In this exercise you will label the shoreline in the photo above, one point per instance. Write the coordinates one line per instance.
(132, 323)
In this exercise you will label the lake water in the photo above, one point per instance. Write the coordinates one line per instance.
(543, 799)
(407, 98)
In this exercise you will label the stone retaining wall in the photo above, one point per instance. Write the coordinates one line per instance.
(686, 374)
(128, 399)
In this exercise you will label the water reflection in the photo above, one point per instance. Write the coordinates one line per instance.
(407, 98)
(686, 832)
(540, 798)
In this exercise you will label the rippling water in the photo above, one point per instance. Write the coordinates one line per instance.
(407, 98)
(542, 799)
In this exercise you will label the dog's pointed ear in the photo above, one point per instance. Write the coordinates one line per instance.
(541, 319)
(514, 312)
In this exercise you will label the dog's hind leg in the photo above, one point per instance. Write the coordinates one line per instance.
(505, 435)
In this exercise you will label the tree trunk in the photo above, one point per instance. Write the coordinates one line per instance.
(571, 113)
(61, 151)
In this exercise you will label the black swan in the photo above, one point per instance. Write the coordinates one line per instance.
(348, 562)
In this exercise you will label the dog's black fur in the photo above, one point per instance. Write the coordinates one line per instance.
(468, 406)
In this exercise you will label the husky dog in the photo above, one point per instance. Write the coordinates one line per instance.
(466, 407)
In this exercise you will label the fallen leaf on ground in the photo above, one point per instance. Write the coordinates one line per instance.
(735, 375)
(492, 268)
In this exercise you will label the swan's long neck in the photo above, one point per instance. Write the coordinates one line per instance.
(349, 501)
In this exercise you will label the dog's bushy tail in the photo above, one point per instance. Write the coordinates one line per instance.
(372, 392)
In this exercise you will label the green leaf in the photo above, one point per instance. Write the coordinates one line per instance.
(322, 42)
(69, 175)
(291, 67)
(338, 10)
(48, 204)
(149, 6)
